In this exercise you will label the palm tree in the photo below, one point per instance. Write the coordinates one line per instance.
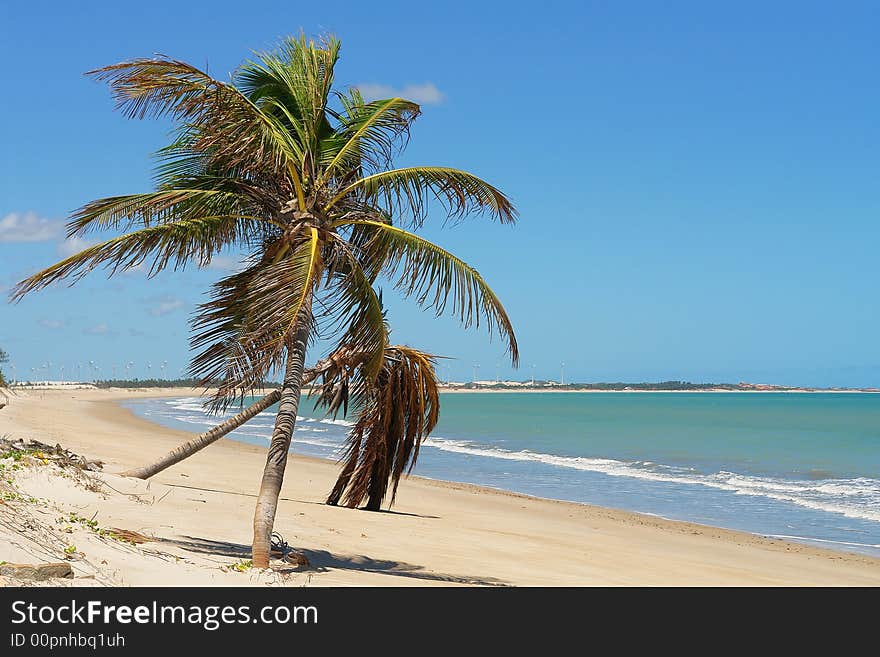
(279, 164)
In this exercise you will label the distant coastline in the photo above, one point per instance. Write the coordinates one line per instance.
(454, 390)
(476, 386)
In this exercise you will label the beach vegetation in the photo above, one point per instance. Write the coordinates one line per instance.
(14, 454)
(299, 176)
(88, 523)
(4, 358)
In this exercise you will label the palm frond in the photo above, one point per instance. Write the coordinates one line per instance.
(356, 310)
(401, 411)
(243, 331)
(406, 193)
(436, 278)
(292, 84)
(216, 115)
(367, 134)
(174, 244)
(152, 208)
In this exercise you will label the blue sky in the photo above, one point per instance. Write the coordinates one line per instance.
(698, 184)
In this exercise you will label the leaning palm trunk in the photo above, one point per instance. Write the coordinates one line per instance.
(201, 441)
(189, 448)
(276, 460)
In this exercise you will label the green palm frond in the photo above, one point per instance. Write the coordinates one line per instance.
(437, 279)
(358, 310)
(242, 331)
(293, 84)
(167, 244)
(153, 208)
(367, 133)
(406, 192)
(216, 115)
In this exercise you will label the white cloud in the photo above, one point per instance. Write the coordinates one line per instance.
(224, 263)
(72, 245)
(164, 305)
(52, 324)
(140, 268)
(423, 94)
(98, 329)
(28, 227)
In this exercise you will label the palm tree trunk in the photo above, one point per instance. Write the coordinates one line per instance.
(203, 440)
(276, 460)
(342, 482)
(378, 483)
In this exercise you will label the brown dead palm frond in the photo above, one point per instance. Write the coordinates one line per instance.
(399, 410)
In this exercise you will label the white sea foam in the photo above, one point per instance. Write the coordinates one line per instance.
(189, 419)
(326, 420)
(853, 498)
(823, 540)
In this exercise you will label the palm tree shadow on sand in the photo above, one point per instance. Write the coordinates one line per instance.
(322, 561)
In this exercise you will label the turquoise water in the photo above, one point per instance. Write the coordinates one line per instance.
(800, 466)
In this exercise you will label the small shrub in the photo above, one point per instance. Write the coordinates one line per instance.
(243, 566)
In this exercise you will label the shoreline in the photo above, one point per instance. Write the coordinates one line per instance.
(444, 532)
(717, 391)
(160, 392)
(840, 546)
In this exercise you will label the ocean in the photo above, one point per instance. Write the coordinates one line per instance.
(799, 466)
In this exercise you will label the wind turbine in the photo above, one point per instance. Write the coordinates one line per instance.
(562, 374)
(533, 374)
(163, 366)
(476, 370)
(128, 367)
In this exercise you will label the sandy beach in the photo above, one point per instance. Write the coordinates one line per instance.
(198, 516)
